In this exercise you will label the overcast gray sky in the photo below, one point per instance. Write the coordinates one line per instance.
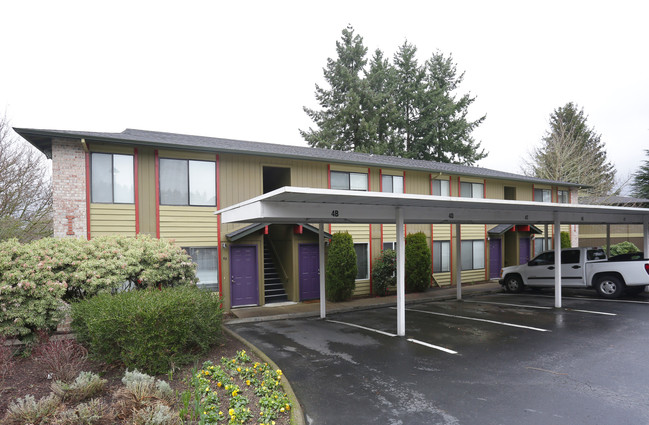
(244, 70)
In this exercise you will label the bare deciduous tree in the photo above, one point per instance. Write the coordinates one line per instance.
(25, 189)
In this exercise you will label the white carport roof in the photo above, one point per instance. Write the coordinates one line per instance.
(298, 204)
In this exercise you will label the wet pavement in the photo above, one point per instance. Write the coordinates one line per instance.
(492, 359)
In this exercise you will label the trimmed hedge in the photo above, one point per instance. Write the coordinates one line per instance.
(341, 270)
(418, 263)
(151, 330)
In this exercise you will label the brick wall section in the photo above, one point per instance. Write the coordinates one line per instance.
(69, 188)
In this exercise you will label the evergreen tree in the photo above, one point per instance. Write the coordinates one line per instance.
(382, 109)
(342, 120)
(641, 180)
(573, 152)
(445, 132)
(409, 85)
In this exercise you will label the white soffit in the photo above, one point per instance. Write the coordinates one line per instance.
(299, 204)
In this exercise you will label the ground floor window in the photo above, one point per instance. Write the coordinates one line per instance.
(207, 266)
(362, 261)
(441, 256)
(539, 246)
(473, 255)
(390, 245)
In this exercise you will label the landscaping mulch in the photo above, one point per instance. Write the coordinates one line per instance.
(27, 376)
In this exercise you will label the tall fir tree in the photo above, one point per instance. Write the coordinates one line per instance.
(382, 108)
(640, 182)
(443, 128)
(573, 152)
(342, 122)
(399, 109)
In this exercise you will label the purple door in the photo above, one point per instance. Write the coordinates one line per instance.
(523, 250)
(495, 258)
(309, 264)
(244, 285)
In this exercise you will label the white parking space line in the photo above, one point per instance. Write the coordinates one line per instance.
(513, 325)
(510, 305)
(591, 312)
(579, 298)
(436, 347)
(362, 327)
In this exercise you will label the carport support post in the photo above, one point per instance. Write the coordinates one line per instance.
(646, 237)
(458, 263)
(546, 242)
(557, 261)
(608, 240)
(321, 271)
(401, 273)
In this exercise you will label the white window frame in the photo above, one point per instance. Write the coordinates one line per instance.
(477, 246)
(392, 244)
(442, 247)
(112, 178)
(350, 177)
(443, 186)
(188, 199)
(398, 184)
(367, 256)
(213, 285)
(546, 195)
(476, 190)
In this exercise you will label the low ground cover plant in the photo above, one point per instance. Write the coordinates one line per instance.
(36, 278)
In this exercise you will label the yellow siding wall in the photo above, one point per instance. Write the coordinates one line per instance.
(112, 219)
(188, 226)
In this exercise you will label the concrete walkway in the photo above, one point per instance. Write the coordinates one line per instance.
(280, 311)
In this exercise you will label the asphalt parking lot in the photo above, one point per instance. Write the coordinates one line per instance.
(491, 359)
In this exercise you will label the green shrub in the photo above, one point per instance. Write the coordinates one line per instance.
(565, 240)
(151, 330)
(35, 277)
(384, 272)
(341, 268)
(418, 263)
(625, 247)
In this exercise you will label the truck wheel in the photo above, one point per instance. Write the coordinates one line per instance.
(514, 283)
(609, 286)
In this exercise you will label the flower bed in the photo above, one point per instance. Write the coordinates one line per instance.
(221, 393)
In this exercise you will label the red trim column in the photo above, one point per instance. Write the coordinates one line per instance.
(157, 193)
(218, 221)
(88, 195)
(136, 193)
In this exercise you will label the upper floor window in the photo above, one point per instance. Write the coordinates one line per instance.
(112, 178)
(441, 188)
(187, 182)
(542, 195)
(471, 190)
(563, 196)
(392, 184)
(348, 181)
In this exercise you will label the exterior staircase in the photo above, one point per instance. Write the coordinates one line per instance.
(274, 291)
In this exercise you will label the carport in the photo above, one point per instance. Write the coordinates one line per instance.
(297, 204)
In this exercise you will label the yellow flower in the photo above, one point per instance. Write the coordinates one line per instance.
(218, 384)
(247, 381)
(231, 412)
(234, 393)
(220, 413)
(281, 410)
(288, 407)
(207, 389)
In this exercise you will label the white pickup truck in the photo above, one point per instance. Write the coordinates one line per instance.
(580, 268)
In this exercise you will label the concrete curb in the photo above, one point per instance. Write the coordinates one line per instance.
(346, 309)
(297, 415)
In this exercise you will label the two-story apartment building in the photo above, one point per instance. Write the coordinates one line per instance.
(169, 185)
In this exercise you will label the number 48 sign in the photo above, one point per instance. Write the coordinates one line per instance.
(335, 213)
